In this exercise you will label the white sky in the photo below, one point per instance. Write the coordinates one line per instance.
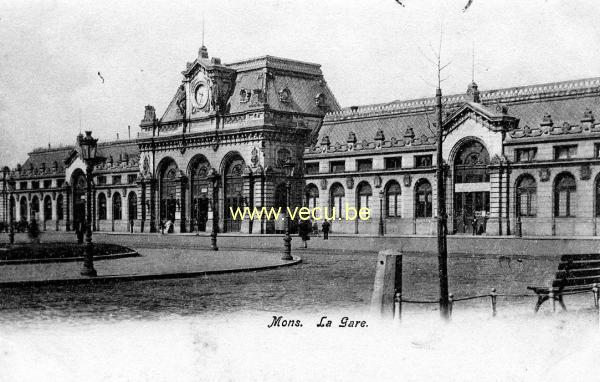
(370, 52)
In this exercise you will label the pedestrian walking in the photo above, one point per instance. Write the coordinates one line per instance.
(474, 224)
(304, 232)
(325, 226)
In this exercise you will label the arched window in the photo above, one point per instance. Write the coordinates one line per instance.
(423, 205)
(116, 207)
(132, 205)
(526, 196)
(312, 196)
(59, 207)
(23, 208)
(364, 193)
(101, 207)
(392, 199)
(470, 163)
(565, 202)
(48, 208)
(337, 196)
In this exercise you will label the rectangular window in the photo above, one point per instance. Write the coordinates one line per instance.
(423, 161)
(392, 206)
(116, 179)
(364, 165)
(525, 155)
(101, 180)
(35, 185)
(393, 163)
(60, 183)
(131, 178)
(565, 152)
(596, 150)
(47, 184)
(23, 185)
(337, 166)
(311, 168)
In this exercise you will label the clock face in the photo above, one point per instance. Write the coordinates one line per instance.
(201, 95)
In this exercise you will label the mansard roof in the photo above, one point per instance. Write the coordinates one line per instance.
(277, 83)
(564, 102)
(50, 162)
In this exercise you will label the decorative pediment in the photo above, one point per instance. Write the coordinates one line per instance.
(496, 120)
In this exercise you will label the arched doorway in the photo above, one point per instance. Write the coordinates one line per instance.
(59, 207)
(233, 191)
(199, 191)
(168, 191)
(35, 208)
(79, 193)
(364, 194)
(132, 206)
(471, 188)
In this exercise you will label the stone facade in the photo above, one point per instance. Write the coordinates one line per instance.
(519, 160)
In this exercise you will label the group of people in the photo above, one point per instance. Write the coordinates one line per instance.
(306, 228)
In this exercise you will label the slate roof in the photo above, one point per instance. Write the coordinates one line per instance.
(564, 102)
(303, 80)
(41, 162)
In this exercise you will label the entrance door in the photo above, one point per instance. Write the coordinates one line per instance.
(200, 213)
(234, 193)
(471, 209)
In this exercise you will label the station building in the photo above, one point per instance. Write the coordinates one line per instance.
(522, 160)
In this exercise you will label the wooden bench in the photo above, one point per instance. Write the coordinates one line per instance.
(575, 273)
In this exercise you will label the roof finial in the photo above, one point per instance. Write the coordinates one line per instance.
(203, 52)
(473, 62)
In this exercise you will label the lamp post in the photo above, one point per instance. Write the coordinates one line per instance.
(5, 173)
(214, 177)
(288, 167)
(381, 194)
(11, 216)
(89, 146)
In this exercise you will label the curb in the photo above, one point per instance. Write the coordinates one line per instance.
(68, 259)
(140, 277)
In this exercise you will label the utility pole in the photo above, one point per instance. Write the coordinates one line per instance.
(441, 215)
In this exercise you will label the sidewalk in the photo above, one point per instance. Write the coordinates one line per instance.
(152, 264)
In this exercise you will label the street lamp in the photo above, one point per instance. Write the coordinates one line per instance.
(89, 154)
(5, 173)
(381, 194)
(214, 178)
(11, 217)
(288, 167)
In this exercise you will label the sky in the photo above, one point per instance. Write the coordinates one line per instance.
(371, 51)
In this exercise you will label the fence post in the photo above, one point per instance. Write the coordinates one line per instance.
(450, 304)
(493, 296)
(551, 297)
(595, 291)
(398, 306)
(388, 282)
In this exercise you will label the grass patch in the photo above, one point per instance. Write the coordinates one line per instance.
(33, 251)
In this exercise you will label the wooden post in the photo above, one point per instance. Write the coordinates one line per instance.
(551, 297)
(388, 282)
(493, 296)
(450, 305)
(398, 306)
(595, 291)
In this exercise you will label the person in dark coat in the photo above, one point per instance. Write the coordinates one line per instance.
(474, 224)
(325, 226)
(304, 231)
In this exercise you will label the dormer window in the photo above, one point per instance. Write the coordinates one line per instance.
(320, 100)
(245, 96)
(285, 95)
